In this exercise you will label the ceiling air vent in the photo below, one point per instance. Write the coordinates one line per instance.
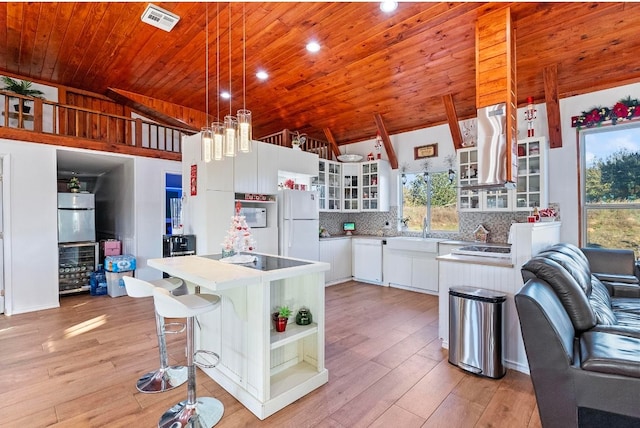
(160, 18)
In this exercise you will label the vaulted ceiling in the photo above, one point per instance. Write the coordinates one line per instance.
(399, 65)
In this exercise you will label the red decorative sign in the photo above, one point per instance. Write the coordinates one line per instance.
(194, 180)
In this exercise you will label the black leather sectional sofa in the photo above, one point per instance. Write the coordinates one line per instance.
(582, 341)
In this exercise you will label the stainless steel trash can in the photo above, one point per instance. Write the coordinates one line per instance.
(476, 330)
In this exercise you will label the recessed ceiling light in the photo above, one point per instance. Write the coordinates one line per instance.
(262, 75)
(388, 6)
(224, 94)
(313, 46)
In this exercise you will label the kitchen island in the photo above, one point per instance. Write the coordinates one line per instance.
(263, 369)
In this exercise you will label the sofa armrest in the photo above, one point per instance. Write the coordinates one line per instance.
(610, 261)
(610, 277)
(610, 353)
(621, 289)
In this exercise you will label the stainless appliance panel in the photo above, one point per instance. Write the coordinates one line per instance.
(76, 225)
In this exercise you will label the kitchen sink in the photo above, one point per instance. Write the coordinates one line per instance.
(413, 243)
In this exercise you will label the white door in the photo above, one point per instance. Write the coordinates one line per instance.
(301, 204)
(301, 239)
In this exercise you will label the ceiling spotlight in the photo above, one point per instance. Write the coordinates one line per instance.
(262, 75)
(224, 94)
(388, 6)
(313, 46)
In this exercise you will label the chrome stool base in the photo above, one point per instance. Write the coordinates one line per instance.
(206, 413)
(163, 379)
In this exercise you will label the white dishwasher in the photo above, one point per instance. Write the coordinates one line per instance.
(367, 259)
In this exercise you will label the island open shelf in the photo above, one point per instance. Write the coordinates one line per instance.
(264, 369)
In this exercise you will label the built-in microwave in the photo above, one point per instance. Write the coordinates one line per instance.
(255, 217)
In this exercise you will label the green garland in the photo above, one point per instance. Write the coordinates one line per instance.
(625, 109)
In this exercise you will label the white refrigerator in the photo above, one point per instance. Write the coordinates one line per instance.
(299, 224)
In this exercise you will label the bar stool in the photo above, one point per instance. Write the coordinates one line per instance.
(166, 377)
(192, 412)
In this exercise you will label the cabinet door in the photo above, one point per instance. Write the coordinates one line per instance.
(326, 257)
(267, 167)
(397, 267)
(424, 272)
(245, 171)
(342, 258)
(350, 187)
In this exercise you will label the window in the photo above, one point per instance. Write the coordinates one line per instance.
(610, 158)
(433, 196)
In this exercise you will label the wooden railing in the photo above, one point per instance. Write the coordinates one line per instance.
(47, 117)
(285, 137)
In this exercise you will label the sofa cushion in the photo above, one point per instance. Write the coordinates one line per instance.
(573, 297)
(610, 353)
(601, 303)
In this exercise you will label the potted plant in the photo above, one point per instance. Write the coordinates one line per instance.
(74, 185)
(281, 318)
(22, 87)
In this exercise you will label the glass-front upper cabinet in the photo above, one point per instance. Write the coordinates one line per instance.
(327, 184)
(532, 188)
(468, 200)
(350, 187)
(375, 185)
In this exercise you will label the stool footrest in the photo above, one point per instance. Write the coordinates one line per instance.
(180, 326)
(206, 364)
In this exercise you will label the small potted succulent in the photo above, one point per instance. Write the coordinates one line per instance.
(281, 318)
(22, 87)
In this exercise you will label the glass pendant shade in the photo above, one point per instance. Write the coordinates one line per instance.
(217, 129)
(230, 135)
(206, 137)
(244, 131)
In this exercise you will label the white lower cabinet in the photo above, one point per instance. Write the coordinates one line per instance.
(336, 252)
(412, 270)
(367, 259)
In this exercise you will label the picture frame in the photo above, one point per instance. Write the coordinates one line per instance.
(427, 151)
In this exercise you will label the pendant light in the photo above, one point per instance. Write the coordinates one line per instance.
(244, 115)
(230, 122)
(217, 127)
(206, 136)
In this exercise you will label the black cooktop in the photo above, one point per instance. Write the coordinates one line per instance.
(265, 262)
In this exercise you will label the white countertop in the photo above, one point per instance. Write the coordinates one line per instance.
(217, 276)
(478, 260)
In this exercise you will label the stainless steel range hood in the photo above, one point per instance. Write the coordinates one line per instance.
(492, 150)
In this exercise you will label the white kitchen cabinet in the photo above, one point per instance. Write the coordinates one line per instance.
(468, 200)
(532, 188)
(297, 161)
(350, 187)
(367, 259)
(376, 177)
(327, 184)
(257, 171)
(411, 270)
(336, 252)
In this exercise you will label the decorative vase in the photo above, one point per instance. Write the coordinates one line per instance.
(74, 190)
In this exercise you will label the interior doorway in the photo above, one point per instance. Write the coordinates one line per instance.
(173, 189)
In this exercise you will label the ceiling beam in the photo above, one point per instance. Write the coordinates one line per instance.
(160, 110)
(391, 154)
(452, 118)
(332, 142)
(553, 108)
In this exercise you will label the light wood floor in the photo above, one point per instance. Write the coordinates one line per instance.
(76, 367)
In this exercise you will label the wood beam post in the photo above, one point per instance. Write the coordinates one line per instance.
(553, 107)
(452, 118)
(391, 154)
(332, 142)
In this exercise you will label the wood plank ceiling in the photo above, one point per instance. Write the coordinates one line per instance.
(400, 66)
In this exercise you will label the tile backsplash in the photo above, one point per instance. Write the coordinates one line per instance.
(372, 223)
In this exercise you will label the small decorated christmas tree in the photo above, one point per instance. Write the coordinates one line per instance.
(239, 237)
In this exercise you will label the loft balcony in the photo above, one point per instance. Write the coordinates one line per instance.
(41, 121)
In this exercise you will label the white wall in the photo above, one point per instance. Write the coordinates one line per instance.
(149, 213)
(31, 232)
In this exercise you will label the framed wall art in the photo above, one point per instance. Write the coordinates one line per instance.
(428, 151)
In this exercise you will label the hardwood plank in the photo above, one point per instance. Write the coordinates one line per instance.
(68, 370)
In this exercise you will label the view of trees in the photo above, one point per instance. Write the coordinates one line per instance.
(444, 195)
(615, 179)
